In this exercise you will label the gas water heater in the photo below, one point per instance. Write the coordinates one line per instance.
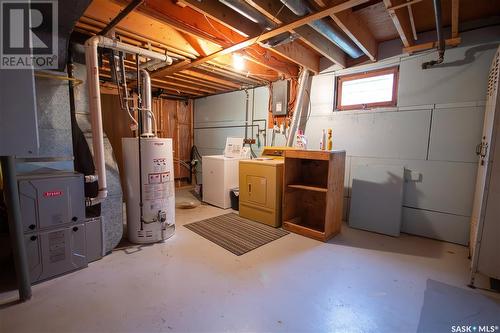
(155, 171)
(149, 179)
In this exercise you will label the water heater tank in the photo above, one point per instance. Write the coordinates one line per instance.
(156, 172)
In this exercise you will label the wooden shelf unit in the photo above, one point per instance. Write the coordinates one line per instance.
(313, 191)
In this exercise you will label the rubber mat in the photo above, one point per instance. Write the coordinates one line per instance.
(236, 234)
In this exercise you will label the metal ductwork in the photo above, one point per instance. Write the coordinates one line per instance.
(243, 8)
(249, 12)
(440, 40)
(302, 8)
(281, 39)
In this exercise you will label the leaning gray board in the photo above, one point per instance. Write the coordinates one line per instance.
(377, 198)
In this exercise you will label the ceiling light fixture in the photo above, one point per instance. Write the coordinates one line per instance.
(238, 62)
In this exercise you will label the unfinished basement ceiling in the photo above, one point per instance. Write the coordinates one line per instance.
(191, 30)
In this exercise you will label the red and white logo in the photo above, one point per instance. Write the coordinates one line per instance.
(51, 194)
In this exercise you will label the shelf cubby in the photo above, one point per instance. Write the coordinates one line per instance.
(313, 192)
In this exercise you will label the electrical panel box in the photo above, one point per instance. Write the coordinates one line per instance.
(280, 97)
(53, 217)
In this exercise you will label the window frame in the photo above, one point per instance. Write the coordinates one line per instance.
(364, 75)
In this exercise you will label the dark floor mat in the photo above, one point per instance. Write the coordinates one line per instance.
(236, 234)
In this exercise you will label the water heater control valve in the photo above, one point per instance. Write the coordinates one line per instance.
(162, 216)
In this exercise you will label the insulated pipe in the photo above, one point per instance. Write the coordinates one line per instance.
(15, 227)
(297, 111)
(95, 101)
(146, 110)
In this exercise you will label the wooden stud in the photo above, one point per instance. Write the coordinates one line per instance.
(431, 45)
(308, 35)
(406, 4)
(203, 75)
(300, 54)
(359, 34)
(226, 16)
(322, 45)
(454, 18)
(401, 22)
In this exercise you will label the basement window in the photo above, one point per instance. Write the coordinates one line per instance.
(368, 90)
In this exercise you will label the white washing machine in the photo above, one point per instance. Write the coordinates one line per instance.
(220, 174)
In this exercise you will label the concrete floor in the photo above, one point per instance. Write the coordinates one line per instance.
(358, 282)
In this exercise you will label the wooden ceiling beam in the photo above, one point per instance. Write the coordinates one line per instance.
(358, 32)
(181, 93)
(308, 35)
(238, 77)
(180, 85)
(454, 18)
(197, 82)
(200, 74)
(401, 20)
(204, 26)
(184, 84)
(222, 18)
(195, 43)
(299, 54)
(106, 73)
(322, 45)
(431, 45)
(226, 16)
(404, 4)
(266, 35)
(280, 59)
(85, 26)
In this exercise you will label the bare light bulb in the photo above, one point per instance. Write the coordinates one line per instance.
(238, 62)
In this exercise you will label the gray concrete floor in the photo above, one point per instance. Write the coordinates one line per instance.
(358, 282)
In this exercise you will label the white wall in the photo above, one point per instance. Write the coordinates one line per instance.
(220, 116)
(432, 132)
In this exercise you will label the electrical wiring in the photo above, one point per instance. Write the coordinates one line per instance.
(274, 17)
(310, 105)
(220, 32)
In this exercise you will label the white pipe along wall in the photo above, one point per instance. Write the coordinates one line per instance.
(95, 99)
(432, 132)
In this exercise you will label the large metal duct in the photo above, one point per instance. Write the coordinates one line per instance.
(243, 8)
(302, 8)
